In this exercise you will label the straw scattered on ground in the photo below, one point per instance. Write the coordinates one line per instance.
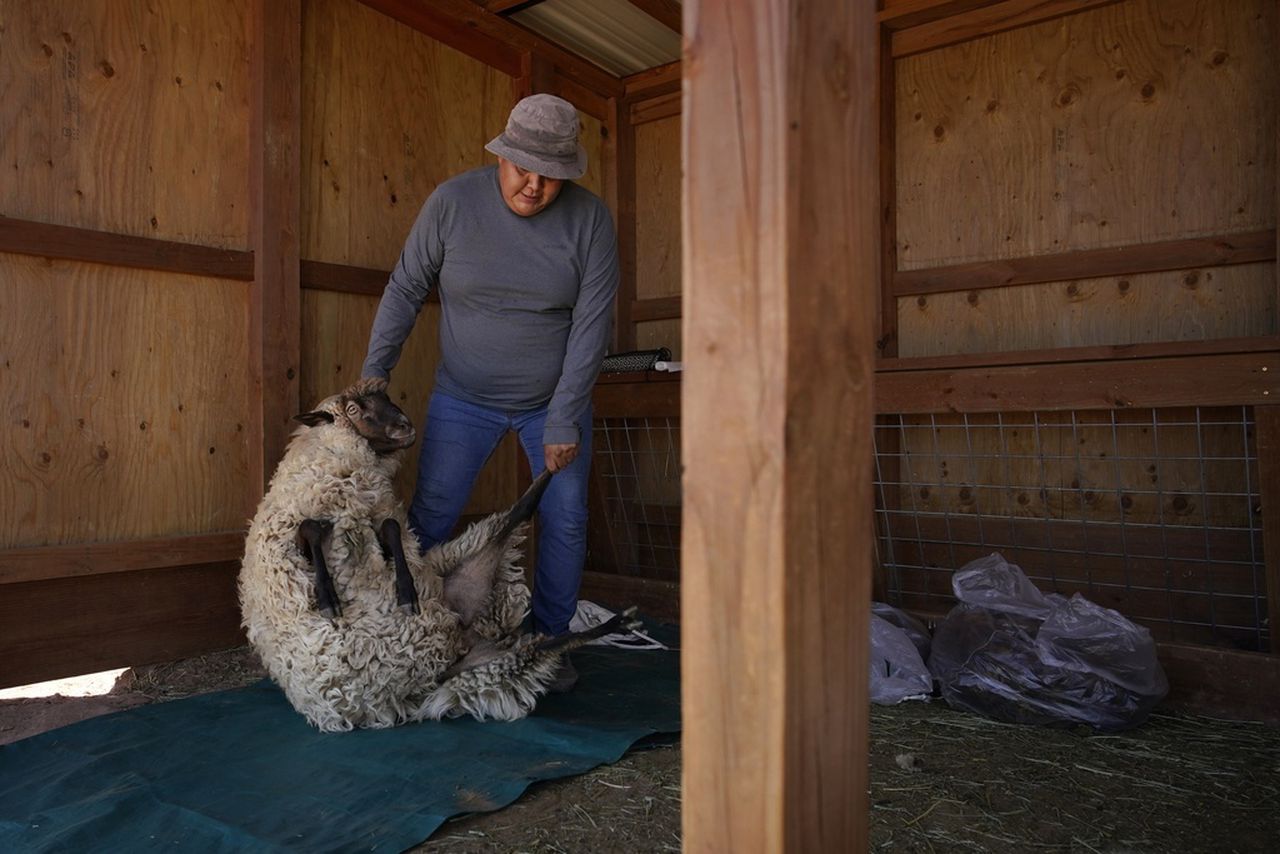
(941, 780)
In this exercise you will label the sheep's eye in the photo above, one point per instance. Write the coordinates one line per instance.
(353, 408)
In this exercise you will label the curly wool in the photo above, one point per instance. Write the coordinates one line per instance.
(374, 666)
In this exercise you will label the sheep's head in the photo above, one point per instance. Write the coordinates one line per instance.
(366, 407)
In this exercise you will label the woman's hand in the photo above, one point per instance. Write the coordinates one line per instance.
(559, 456)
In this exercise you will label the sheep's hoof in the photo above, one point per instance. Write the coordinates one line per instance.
(331, 612)
(409, 608)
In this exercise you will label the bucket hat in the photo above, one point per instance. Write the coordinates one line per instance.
(542, 136)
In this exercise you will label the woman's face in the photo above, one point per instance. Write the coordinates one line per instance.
(526, 193)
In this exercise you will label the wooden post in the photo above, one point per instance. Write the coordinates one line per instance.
(781, 270)
(275, 311)
(620, 195)
(1267, 420)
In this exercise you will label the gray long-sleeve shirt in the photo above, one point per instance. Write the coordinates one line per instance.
(526, 301)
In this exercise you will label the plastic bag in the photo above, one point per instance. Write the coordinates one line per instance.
(898, 671)
(914, 628)
(1014, 654)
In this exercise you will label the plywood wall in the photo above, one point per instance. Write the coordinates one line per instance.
(387, 115)
(1184, 305)
(126, 393)
(1133, 123)
(127, 388)
(658, 175)
(592, 137)
(127, 117)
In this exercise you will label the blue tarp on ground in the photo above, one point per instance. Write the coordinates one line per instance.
(240, 770)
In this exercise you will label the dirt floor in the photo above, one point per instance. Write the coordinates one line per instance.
(940, 781)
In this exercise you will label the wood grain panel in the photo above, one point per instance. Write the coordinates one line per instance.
(1133, 260)
(275, 199)
(652, 334)
(72, 626)
(658, 208)
(1184, 305)
(128, 118)
(1081, 133)
(1177, 381)
(592, 137)
(335, 336)
(45, 562)
(781, 252)
(127, 399)
(387, 114)
(989, 18)
(1268, 426)
(123, 250)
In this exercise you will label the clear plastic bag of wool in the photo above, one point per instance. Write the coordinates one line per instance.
(1014, 654)
(899, 649)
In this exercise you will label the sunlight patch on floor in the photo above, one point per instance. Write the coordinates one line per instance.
(88, 685)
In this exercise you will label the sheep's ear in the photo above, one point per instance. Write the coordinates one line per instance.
(314, 419)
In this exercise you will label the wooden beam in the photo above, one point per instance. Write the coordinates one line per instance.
(493, 39)
(666, 12)
(1219, 380)
(343, 278)
(443, 25)
(1096, 353)
(983, 19)
(887, 305)
(1222, 683)
(655, 108)
(656, 308)
(537, 76)
(499, 7)
(1243, 248)
(661, 80)
(275, 194)
(587, 100)
(651, 394)
(780, 268)
(1267, 421)
(620, 182)
(72, 626)
(40, 563)
(901, 14)
(64, 243)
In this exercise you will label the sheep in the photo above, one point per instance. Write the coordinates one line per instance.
(356, 625)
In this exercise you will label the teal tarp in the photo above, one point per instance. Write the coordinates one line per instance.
(241, 771)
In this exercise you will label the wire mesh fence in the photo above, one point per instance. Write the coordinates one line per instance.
(1153, 512)
(636, 468)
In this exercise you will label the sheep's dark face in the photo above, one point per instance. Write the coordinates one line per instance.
(370, 412)
(379, 421)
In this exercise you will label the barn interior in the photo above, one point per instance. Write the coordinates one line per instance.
(1013, 289)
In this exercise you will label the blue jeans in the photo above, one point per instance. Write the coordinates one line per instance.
(457, 440)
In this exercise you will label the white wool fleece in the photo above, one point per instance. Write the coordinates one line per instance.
(373, 666)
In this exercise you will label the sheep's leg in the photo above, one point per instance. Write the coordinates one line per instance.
(393, 550)
(311, 534)
(624, 622)
(469, 581)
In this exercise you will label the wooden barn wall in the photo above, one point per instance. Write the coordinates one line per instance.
(128, 407)
(387, 114)
(116, 115)
(1133, 123)
(658, 251)
(1138, 122)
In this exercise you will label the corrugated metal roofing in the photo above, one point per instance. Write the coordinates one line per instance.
(613, 34)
